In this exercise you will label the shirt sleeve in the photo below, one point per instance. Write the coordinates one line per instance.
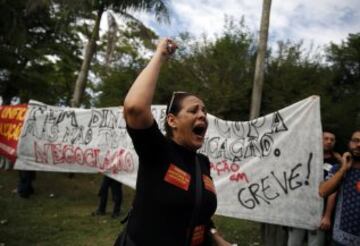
(206, 161)
(149, 142)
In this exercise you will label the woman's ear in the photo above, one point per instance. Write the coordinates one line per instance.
(171, 120)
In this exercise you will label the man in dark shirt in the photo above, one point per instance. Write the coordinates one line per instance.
(331, 158)
(116, 190)
(345, 180)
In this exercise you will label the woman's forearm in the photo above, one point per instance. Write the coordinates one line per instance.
(137, 103)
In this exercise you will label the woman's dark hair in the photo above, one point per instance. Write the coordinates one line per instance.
(174, 106)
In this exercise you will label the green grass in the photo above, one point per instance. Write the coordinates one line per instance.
(65, 218)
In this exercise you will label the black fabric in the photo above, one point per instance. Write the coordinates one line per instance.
(116, 191)
(332, 161)
(198, 198)
(124, 239)
(328, 234)
(162, 211)
(25, 187)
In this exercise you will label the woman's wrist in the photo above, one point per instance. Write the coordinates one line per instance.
(159, 57)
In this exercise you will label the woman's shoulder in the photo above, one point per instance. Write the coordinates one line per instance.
(203, 158)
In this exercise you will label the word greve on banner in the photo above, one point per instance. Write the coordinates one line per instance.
(11, 121)
(267, 170)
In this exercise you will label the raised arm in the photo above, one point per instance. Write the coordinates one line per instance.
(329, 186)
(137, 103)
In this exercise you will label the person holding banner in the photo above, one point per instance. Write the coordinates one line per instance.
(25, 187)
(116, 191)
(175, 195)
(319, 237)
(345, 181)
(331, 158)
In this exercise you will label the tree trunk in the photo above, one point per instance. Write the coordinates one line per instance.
(270, 234)
(111, 40)
(260, 61)
(89, 53)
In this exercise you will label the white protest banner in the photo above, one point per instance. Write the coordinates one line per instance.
(267, 170)
(77, 140)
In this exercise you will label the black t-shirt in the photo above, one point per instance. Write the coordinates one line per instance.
(165, 188)
(329, 163)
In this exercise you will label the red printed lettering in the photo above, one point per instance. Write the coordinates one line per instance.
(115, 160)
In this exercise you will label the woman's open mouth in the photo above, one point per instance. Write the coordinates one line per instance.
(200, 130)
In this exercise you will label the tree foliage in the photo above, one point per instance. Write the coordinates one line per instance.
(41, 48)
(219, 71)
(133, 42)
(343, 91)
(157, 7)
(40, 52)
